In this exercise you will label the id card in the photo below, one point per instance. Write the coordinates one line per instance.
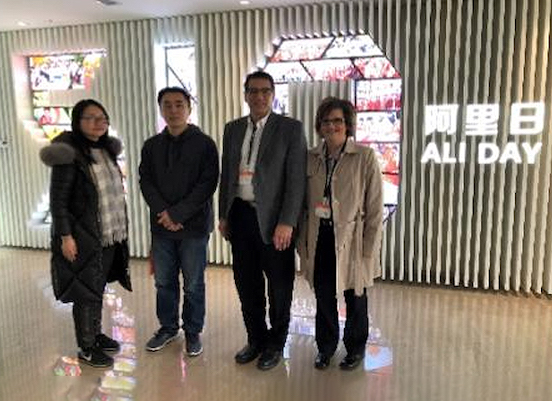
(246, 177)
(323, 210)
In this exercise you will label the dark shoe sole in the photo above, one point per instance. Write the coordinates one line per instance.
(267, 365)
(242, 360)
(160, 347)
(194, 353)
(107, 349)
(321, 365)
(351, 366)
(95, 365)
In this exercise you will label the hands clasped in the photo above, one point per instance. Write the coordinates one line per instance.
(165, 220)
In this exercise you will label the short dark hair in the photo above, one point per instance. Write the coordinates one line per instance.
(258, 75)
(173, 89)
(332, 103)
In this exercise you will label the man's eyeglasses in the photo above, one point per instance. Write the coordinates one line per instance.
(333, 121)
(262, 91)
(101, 120)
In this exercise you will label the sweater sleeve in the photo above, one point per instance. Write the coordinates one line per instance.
(151, 194)
(295, 177)
(225, 175)
(63, 178)
(373, 207)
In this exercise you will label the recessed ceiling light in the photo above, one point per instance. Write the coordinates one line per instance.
(21, 23)
(108, 2)
(245, 2)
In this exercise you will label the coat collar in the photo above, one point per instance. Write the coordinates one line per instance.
(350, 147)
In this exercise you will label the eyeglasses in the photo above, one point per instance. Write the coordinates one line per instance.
(101, 120)
(262, 91)
(334, 121)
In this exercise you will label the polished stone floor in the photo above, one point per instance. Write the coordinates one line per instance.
(426, 344)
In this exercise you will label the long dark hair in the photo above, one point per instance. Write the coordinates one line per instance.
(81, 141)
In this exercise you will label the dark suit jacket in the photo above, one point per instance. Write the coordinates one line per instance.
(280, 172)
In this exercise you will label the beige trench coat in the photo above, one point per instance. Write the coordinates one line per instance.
(357, 205)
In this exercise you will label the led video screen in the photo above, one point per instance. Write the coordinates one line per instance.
(376, 67)
(63, 72)
(382, 94)
(379, 126)
(331, 70)
(301, 49)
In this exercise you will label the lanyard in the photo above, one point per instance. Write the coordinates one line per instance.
(251, 141)
(330, 169)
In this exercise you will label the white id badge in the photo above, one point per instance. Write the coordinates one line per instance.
(246, 177)
(323, 210)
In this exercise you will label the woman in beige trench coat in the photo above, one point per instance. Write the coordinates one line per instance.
(340, 234)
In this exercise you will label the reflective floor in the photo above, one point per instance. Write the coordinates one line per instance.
(426, 344)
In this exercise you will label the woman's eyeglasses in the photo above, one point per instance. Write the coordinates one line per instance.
(333, 121)
(101, 120)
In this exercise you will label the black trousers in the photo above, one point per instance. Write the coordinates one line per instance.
(87, 315)
(253, 260)
(327, 326)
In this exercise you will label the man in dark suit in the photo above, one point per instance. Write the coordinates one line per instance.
(261, 195)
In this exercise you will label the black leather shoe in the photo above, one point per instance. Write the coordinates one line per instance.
(247, 354)
(322, 361)
(351, 361)
(269, 359)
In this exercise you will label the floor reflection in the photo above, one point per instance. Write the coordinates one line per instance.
(426, 344)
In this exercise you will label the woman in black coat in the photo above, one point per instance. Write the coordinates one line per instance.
(89, 224)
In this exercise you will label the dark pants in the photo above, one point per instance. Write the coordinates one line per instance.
(327, 326)
(170, 257)
(87, 315)
(253, 260)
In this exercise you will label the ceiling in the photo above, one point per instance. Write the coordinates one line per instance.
(47, 13)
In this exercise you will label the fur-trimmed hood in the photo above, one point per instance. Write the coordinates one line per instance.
(62, 150)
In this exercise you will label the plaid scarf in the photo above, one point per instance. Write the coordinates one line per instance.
(111, 198)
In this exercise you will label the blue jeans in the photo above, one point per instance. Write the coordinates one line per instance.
(170, 256)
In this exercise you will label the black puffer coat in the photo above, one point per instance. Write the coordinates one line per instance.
(75, 210)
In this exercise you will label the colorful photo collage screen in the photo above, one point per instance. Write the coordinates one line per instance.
(63, 72)
(53, 120)
(354, 57)
(377, 92)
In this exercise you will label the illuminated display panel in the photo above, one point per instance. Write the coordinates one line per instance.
(301, 49)
(388, 210)
(353, 46)
(378, 126)
(377, 92)
(281, 99)
(332, 70)
(63, 72)
(52, 115)
(180, 70)
(58, 75)
(51, 131)
(41, 98)
(390, 189)
(382, 94)
(388, 155)
(288, 72)
(376, 67)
